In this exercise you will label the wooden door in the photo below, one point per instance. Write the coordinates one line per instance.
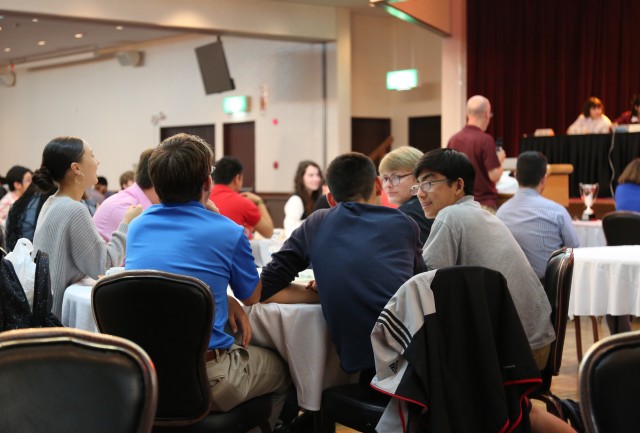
(367, 134)
(206, 132)
(425, 132)
(239, 141)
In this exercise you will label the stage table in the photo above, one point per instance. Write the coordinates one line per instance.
(589, 155)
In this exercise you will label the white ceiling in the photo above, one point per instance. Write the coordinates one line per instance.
(20, 34)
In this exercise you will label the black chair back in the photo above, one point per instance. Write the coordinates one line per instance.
(621, 228)
(170, 316)
(62, 380)
(609, 382)
(557, 285)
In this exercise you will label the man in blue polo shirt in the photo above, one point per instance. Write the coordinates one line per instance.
(185, 235)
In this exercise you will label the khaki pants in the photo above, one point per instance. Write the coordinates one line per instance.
(242, 374)
(541, 356)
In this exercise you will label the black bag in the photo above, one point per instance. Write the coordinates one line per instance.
(15, 312)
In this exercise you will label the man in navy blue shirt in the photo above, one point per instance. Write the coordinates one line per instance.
(361, 254)
(185, 235)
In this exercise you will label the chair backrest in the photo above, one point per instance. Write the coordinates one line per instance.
(609, 382)
(170, 316)
(621, 228)
(63, 380)
(557, 285)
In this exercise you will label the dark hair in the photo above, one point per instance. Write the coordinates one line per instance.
(102, 181)
(15, 174)
(531, 168)
(451, 164)
(590, 103)
(126, 177)
(631, 173)
(309, 199)
(351, 176)
(57, 157)
(17, 213)
(142, 170)
(635, 101)
(227, 168)
(179, 167)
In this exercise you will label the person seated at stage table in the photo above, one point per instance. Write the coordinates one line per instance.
(361, 254)
(630, 116)
(539, 225)
(627, 195)
(65, 229)
(465, 234)
(396, 172)
(592, 120)
(186, 235)
(110, 213)
(244, 208)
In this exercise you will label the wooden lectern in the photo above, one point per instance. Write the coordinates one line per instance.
(557, 186)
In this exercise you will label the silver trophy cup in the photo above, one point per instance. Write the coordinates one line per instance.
(588, 193)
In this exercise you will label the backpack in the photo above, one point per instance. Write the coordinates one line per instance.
(15, 312)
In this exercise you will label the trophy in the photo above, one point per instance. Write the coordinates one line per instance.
(588, 193)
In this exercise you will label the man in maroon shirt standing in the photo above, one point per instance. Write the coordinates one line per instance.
(480, 148)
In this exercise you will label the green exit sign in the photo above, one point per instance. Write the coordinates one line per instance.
(235, 104)
(402, 80)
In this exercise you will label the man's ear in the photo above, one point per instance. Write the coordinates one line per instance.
(378, 186)
(208, 182)
(331, 200)
(459, 185)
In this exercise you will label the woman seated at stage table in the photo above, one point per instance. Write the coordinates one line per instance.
(630, 116)
(627, 193)
(65, 229)
(592, 120)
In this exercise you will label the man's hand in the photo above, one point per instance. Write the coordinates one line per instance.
(211, 206)
(238, 317)
(502, 155)
(253, 197)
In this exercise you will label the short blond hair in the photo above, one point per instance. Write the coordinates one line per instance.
(401, 158)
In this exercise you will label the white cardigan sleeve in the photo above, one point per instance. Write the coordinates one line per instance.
(293, 211)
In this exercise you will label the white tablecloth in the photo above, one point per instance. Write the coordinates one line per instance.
(606, 280)
(297, 332)
(590, 233)
(262, 250)
(76, 306)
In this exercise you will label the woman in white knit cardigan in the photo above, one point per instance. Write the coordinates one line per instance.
(65, 229)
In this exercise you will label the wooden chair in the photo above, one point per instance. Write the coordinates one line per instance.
(63, 380)
(609, 380)
(171, 317)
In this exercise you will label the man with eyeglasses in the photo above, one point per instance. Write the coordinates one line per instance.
(481, 150)
(465, 234)
(396, 172)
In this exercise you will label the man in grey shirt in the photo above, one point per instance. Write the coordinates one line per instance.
(465, 234)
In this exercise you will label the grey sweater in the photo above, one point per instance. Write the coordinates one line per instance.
(465, 234)
(67, 233)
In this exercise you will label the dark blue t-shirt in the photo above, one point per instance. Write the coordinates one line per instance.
(361, 255)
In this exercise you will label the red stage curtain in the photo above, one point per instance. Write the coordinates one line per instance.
(538, 60)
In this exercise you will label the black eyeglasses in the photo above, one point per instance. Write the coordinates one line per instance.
(395, 179)
(425, 186)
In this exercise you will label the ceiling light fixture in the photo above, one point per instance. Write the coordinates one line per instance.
(79, 35)
(119, 27)
(41, 43)
(7, 50)
(35, 20)
(54, 61)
